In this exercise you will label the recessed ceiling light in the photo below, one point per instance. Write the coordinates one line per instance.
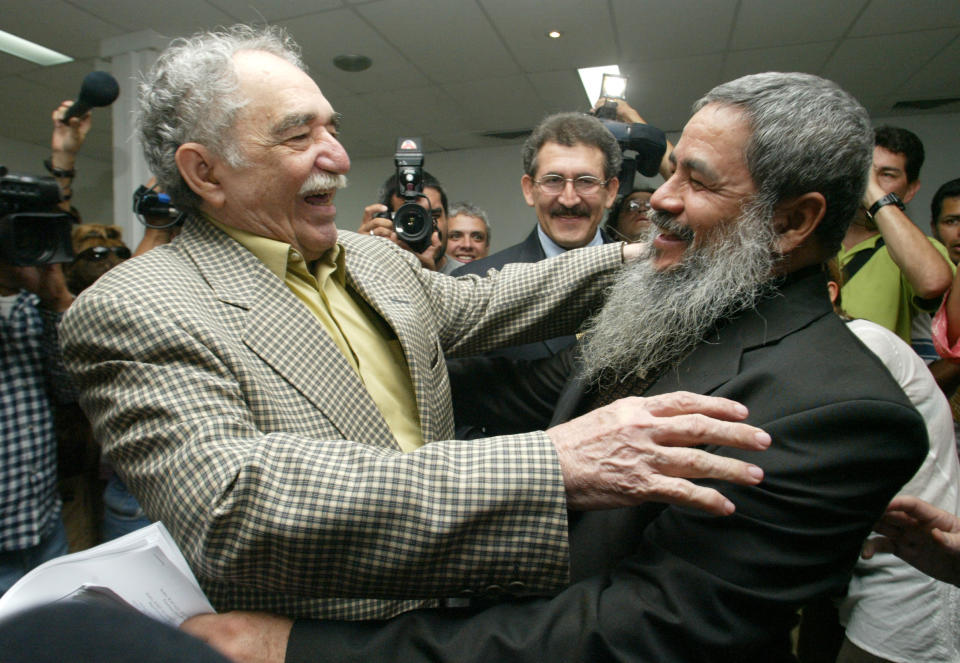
(554, 34)
(27, 50)
(352, 62)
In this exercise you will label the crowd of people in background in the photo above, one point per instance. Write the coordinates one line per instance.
(645, 432)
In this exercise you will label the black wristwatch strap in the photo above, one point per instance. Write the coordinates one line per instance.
(58, 172)
(889, 199)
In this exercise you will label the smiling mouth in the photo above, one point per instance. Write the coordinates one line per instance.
(319, 199)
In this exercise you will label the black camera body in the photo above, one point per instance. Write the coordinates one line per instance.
(32, 230)
(647, 144)
(412, 222)
(150, 204)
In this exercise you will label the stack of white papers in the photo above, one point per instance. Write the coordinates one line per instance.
(143, 570)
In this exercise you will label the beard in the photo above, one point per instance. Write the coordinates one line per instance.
(653, 318)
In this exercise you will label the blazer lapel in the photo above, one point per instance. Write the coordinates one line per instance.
(391, 298)
(304, 354)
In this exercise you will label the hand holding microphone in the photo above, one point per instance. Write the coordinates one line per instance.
(98, 89)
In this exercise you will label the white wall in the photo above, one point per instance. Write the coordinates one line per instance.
(93, 186)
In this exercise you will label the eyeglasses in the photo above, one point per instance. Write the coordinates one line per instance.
(585, 184)
(98, 253)
(638, 206)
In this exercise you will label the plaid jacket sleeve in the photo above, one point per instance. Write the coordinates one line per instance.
(236, 421)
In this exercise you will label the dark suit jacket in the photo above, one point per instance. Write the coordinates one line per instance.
(465, 382)
(670, 584)
(529, 250)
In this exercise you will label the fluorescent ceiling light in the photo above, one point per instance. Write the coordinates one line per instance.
(591, 77)
(27, 50)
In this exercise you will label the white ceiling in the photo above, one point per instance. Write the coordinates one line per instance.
(452, 70)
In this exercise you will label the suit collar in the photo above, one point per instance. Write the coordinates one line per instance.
(304, 354)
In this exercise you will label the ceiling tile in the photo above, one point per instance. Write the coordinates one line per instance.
(462, 43)
(937, 79)
(588, 38)
(325, 35)
(501, 104)
(649, 29)
(795, 22)
(808, 58)
(75, 32)
(890, 16)
(245, 11)
(560, 90)
(872, 66)
(687, 79)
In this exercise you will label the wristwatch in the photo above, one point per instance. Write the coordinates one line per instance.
(889, 199)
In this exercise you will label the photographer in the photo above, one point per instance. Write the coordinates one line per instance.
(33, 297)
(377, 222)
(32, 300)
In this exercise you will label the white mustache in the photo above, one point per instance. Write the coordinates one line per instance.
(323, 181)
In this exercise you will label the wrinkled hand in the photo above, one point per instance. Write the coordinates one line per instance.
(634, 451)
(68, 136)
(920, 534)
(244, 637)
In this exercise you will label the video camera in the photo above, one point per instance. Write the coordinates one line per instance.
(32, 230)
(646, 142)
(148, 203)
(412, 222)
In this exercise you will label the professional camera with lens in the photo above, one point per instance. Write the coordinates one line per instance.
(412, 222)
(642, 146)
(32, 230)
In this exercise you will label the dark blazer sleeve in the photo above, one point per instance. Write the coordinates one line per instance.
(504, 396)
(688, 587)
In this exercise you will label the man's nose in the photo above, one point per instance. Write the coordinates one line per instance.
(568, 194)
(332, 157)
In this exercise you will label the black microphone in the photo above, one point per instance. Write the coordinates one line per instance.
(98, 89)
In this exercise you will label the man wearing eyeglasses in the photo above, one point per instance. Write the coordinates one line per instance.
(570, 164)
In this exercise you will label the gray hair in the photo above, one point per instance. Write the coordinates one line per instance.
(571, 129)
(469, 209)
(807, 135)
(191, 94)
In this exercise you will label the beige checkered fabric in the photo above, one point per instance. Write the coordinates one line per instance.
(237, 422)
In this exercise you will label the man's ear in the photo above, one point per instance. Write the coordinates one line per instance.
(912, 189)
(526, 183)
(795, 219)
(196, 164)
(613, 184)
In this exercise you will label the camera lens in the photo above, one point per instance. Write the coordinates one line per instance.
(414, 225)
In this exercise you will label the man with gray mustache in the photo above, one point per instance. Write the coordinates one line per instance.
(275, 391)
(730, 300)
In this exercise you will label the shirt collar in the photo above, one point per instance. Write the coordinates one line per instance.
(551, 248)
(275, 255)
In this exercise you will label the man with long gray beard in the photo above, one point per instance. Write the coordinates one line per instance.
(730, 300)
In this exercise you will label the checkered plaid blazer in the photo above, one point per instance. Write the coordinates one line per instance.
(235, 420)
